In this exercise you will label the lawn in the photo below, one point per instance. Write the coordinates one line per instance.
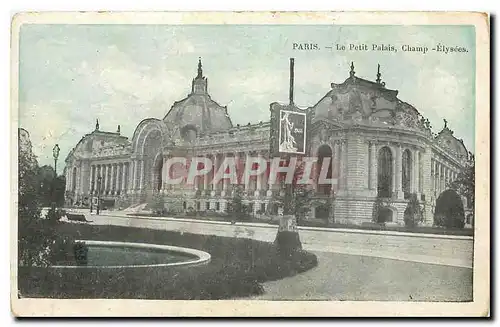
(237, 269)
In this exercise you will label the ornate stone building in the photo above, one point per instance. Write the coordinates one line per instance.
(381, 148)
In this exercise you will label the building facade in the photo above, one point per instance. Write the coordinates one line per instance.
(381, 149)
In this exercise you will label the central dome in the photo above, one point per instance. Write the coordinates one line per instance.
(198, 112)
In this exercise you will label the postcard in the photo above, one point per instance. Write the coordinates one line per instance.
(250, 164)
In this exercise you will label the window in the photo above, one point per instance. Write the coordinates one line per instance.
(324, 152)
(406, 173)
(385, 172)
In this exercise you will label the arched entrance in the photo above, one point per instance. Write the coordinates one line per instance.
(385, 214)
(449, 211)
(385, 172)
(322, 211)
(324, 151)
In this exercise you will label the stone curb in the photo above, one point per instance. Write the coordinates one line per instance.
(322, 229)
(203, 257)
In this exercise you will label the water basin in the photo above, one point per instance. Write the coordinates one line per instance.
(108, 254)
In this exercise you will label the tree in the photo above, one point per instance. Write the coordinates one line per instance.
(301, 202)
(449, 211)
(158, 205)
(413, 214)
(51, 189)
(35, 236)
(236, 208)
(465, 185)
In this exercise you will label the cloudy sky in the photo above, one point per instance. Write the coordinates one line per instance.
(72, 74)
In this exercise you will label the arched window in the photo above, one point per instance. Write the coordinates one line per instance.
(324, 151)
(385, 172)
(406, 173)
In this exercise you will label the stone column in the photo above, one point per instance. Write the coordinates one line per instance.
(118, 177)
(110, 184)
(258, 186)
(441, 171)
(141, 174)
(96, 175)
(238, 167)
(90, 179)
(336, 161)
(265, 182)
(436, 178)
(105, 177)
(215, 164)
(373, 166)
(246, 184)
(427, 182)
(399, 170)
(135, 177)
(131, 176)
(124, 177)
(206, 179)
(343, 165)
(416, 173)
(113, 179)
(224, 181)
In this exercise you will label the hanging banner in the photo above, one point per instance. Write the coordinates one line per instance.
(292, 132)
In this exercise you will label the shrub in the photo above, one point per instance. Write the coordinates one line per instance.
(413, 214)
(81, 251)
(449, 210)
(55, 214)
(158, 205)
(381, 213)
(287, 243)
(236, 208)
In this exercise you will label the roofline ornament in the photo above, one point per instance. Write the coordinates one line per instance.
(200, 69)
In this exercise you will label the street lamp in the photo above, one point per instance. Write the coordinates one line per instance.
(91, 195)
(55, 154)
(99, 179)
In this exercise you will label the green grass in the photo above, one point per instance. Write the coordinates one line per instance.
(237, 269)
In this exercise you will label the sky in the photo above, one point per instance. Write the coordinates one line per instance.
(70, 75)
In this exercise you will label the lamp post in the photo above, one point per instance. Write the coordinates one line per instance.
(99, 179)
(91, 195)
(55, 154)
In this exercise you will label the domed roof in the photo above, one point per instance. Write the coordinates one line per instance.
(198, 112)
(446, 140)
(361, 101)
